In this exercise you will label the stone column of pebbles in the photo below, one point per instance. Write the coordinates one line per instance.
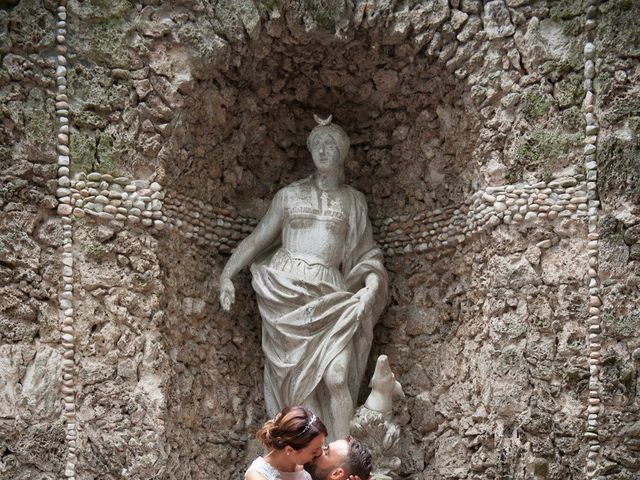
(64, 210)
(595, 302)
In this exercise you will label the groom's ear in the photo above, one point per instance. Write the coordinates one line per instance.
(338, 474)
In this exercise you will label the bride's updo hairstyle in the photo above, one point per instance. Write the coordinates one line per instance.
(295, 427)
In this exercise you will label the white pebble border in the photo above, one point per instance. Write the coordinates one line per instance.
(123, 201)
(446, 228)
(430, 233)
(120, 200)
(594, 322)
(65, 298)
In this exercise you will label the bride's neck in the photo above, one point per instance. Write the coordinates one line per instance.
(278, 459)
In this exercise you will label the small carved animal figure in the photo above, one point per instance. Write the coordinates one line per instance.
(384, 387)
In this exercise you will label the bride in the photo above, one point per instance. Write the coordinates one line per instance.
(294, 437)
(294, 441)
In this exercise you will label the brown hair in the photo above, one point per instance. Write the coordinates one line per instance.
(358, 461)
(292, 426)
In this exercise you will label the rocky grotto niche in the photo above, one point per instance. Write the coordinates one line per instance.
(484, 135)
(420, 120)
(239, 134)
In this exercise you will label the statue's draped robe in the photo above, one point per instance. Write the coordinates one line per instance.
(307, 322)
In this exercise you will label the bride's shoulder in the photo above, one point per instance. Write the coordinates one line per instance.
(261, 470)
(253, 475)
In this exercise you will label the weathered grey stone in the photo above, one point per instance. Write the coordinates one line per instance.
(40, 383)
(496, 19)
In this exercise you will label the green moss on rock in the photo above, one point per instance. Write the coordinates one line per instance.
(573, 118)
(622, 325)
(109, 46)
(509, 361)
(569, 91)
(82, 147)
(322, 12)
(103, 9)
(270, 5)
(535, 103)
(37, 118)
(568, 13)
(617, 29)
(543, 145)
(566, 9)
(623, 106)
(619, 164)
(107, 156)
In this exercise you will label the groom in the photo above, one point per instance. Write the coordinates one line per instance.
(340, 459)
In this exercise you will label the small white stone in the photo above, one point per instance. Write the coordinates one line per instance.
(64, 209)
(499, 207)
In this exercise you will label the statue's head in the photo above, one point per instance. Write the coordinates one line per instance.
(328, 143)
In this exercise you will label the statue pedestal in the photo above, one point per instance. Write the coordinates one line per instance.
(381, 436)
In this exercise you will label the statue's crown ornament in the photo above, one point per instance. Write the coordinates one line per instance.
(336, 132)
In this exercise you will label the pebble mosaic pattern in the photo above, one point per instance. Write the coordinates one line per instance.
(123, 201)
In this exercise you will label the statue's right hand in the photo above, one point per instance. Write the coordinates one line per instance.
(227, 293)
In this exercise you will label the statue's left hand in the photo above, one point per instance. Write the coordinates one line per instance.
(366, 298)
(227, 293)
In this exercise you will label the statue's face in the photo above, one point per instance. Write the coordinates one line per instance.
(325, 153)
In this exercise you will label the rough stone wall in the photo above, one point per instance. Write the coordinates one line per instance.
(123, 366)
(497, 388)
(31, 427)
(213, 100)
(617, 90)
(214, 395)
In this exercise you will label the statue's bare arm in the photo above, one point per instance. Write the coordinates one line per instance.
(264, 235)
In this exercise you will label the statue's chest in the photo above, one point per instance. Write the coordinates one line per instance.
(317, 204)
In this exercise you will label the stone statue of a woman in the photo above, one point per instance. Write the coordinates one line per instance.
(320, 284)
